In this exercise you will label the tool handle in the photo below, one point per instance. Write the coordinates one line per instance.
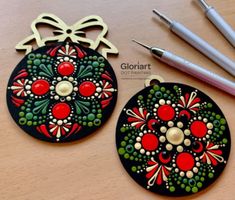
(198, 72)
(221, 24)
(203, 47)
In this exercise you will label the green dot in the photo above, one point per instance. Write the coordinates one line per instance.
(29, 62)
(188, 189)
(123, 143)
(90, 124)
(140, 97)
(35, 117)
(172, 189)
(133, 168)
(21, 114)
(191, 182)
(197, 178)
(225, 141)
(31, 56)
(97, 122)
(29, 123)
(38, 55)
(194, 189)
(216, 123)
(84, 123)
(222, 128)
(102, 64)
(158, 94)
(22, 121)
(182, 186)
(222, 121)
(210, 175)
(156, 87)
(35, 123)
(37, 62)
(29, 116)
(121, 151)
(132, 158)
(151, 91)
(22, 108)
(185, 180)
(95, 64)
(199, 184)
(126, 138)
(129, 148)
(163, 89)
(91, 116)
(123, 129)
(209, 105)
(202, 179)
(126, 155)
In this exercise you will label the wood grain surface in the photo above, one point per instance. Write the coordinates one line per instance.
(90, 168)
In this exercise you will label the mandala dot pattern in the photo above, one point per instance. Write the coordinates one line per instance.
(62, 92)
(173, 139)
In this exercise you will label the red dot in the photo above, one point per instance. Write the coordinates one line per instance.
(40, 87)
(198, 129)
(61, 110)
(65, 68)
(87, 88)
(166, 112)
(185, 161)
(149, 142)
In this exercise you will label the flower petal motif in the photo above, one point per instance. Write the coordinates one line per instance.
(190, 101)
(156, 173)
(138, 117)
(212, 154)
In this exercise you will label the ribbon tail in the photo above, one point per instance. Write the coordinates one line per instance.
(24, 46)
(112, 49)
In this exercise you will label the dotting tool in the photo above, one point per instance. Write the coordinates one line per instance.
(198, 43)
(219, 22)
(190, 68)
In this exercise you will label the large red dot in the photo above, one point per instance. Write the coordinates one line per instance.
(65, 68)
(149, 142)
(87, 88)
(40, 87)
(61, 110)
(166, 112)
(198, 129)
(185, 161)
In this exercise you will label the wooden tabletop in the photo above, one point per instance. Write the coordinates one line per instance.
(90, 168)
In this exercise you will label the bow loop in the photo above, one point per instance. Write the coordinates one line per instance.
(61, 32)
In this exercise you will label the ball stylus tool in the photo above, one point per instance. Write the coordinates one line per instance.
(198, 43)
(190, 68)
(219, 22)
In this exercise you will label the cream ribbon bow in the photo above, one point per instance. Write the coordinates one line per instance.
(63, 32)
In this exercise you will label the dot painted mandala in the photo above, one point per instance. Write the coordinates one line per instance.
(62, 92)
(173, 139)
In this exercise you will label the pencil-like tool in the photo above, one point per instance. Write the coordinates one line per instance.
(190, 68)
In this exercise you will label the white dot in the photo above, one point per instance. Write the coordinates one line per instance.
(205, 120)
(163, 129)
(137, 146)
(179, 149)
(162, 139)
(168, 102)
(189, 174)
(142, 151)
(187, 132)
(209, 125)
(147, 153)
(56, 97)
(161, 101)
(169, 147)
(175, 135)
(181, 174)
(198, 164)
(170, 123)
(180, 124)
(27, 87)
(71, 79)
(66, 58)
(176, 170)
(187, 142)
(195, 170)
(138, 139)
(59, 122)
(98, 89)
